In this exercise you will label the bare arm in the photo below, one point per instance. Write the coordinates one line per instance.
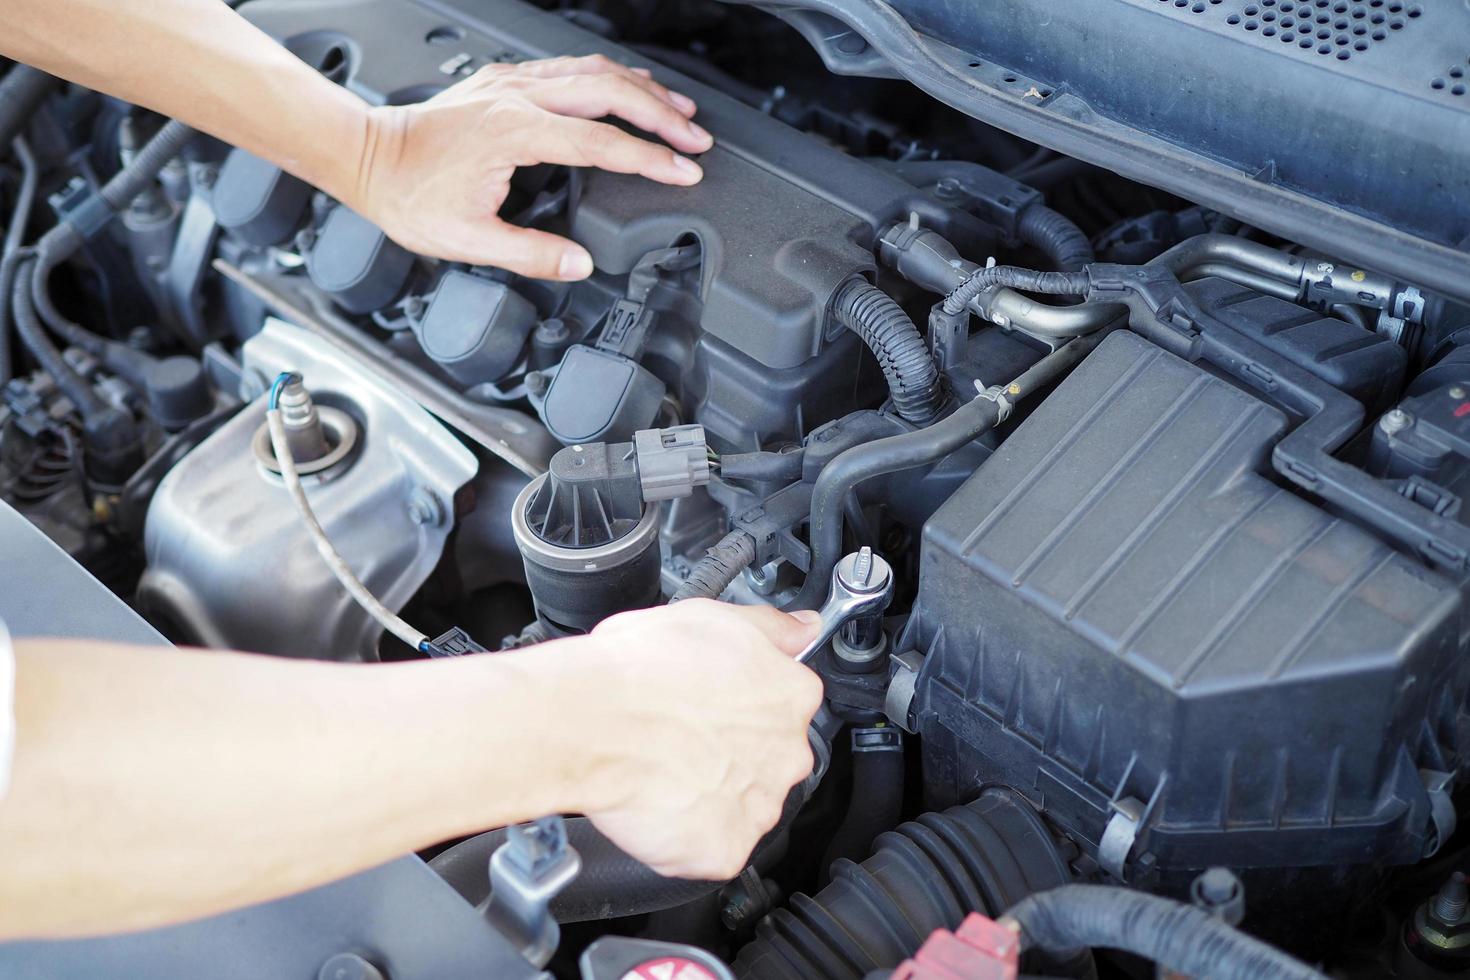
(156, 785)
(433, 176)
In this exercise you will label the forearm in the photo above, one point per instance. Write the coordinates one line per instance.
(152, 786)
(198, 61)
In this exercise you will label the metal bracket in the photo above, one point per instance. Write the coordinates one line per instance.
(1442, 817)
(526, 873)
(1119, 836)
(901, 688)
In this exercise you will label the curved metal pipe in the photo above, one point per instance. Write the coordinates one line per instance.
(928, 260)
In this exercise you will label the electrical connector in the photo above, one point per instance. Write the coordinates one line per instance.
(455, 643)
(671, 462)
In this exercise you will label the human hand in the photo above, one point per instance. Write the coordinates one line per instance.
(434, 175)
(701, 730)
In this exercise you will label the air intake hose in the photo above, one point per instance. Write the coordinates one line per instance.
(913, 380)
(1186, 940)
(1055, 236)
(926, 875)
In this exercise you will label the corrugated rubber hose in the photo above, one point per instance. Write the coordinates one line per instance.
(913, 380)
(21, 94)
(713, 573)
(1186, 940)
(1057, 237)
(1026, 280)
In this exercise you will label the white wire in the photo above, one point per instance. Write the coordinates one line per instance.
(390, 620)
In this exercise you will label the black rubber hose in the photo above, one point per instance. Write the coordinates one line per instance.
(913, 380)
(612, 884)
(1057, 237)
(762, 467)
(65, 240)
(136, 177)
(129, 364)
(114, 450)
(21, 94)
(1179, 937)
(28, 327)
(9, 266)
(907, 450)
(713, 573)
(925, 875)
(875, 806)
(1026, 280)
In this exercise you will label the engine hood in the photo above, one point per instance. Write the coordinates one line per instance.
(1342, 125)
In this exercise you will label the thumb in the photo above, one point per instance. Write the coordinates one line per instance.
(532, 253)
(789, 633)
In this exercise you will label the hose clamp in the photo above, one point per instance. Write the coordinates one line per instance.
(998, 394)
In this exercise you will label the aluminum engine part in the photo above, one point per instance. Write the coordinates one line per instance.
(229, 562)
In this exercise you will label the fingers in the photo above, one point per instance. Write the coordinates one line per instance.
(528, 252)
(580, 143)
(789, 633)
(592, 97)
(602, 65)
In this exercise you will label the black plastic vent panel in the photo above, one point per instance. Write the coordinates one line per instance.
(1327, 27)
(1453, 80)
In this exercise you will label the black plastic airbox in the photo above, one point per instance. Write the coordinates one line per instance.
(1123, 616)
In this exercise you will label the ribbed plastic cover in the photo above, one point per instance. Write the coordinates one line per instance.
(1119, 604)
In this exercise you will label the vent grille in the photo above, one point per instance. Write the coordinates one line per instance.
(1453, 80)
(1330, 28)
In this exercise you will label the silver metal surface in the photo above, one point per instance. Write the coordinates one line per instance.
(902, 687)
(339, 430)
(229, 562)
(862, 585)
(515, 437)
(603, 556)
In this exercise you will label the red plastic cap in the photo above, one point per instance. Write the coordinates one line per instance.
(980, 949)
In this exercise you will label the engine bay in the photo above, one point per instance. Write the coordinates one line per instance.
(1165, 509)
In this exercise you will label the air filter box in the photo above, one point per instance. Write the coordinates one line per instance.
(1123, 616)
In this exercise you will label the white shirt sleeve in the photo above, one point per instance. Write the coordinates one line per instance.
(7, 708)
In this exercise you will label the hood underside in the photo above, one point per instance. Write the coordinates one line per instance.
(1342, 125)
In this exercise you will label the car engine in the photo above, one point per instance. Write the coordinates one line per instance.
(1143, 429)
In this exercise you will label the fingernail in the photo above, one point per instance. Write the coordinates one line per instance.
(688, 166)
(683, 103)
(575, 264)
(701, 134)
(809, 617)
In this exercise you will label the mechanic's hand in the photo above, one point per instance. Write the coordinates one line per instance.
(434, 175)
(709, 731)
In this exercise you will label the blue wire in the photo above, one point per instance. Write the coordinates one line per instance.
(282, 379)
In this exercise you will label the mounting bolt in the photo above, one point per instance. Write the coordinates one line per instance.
(734, 912)
(424, 508)
(1453, 897)
(1395, 421)
(1219, 892)
(349, 966)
